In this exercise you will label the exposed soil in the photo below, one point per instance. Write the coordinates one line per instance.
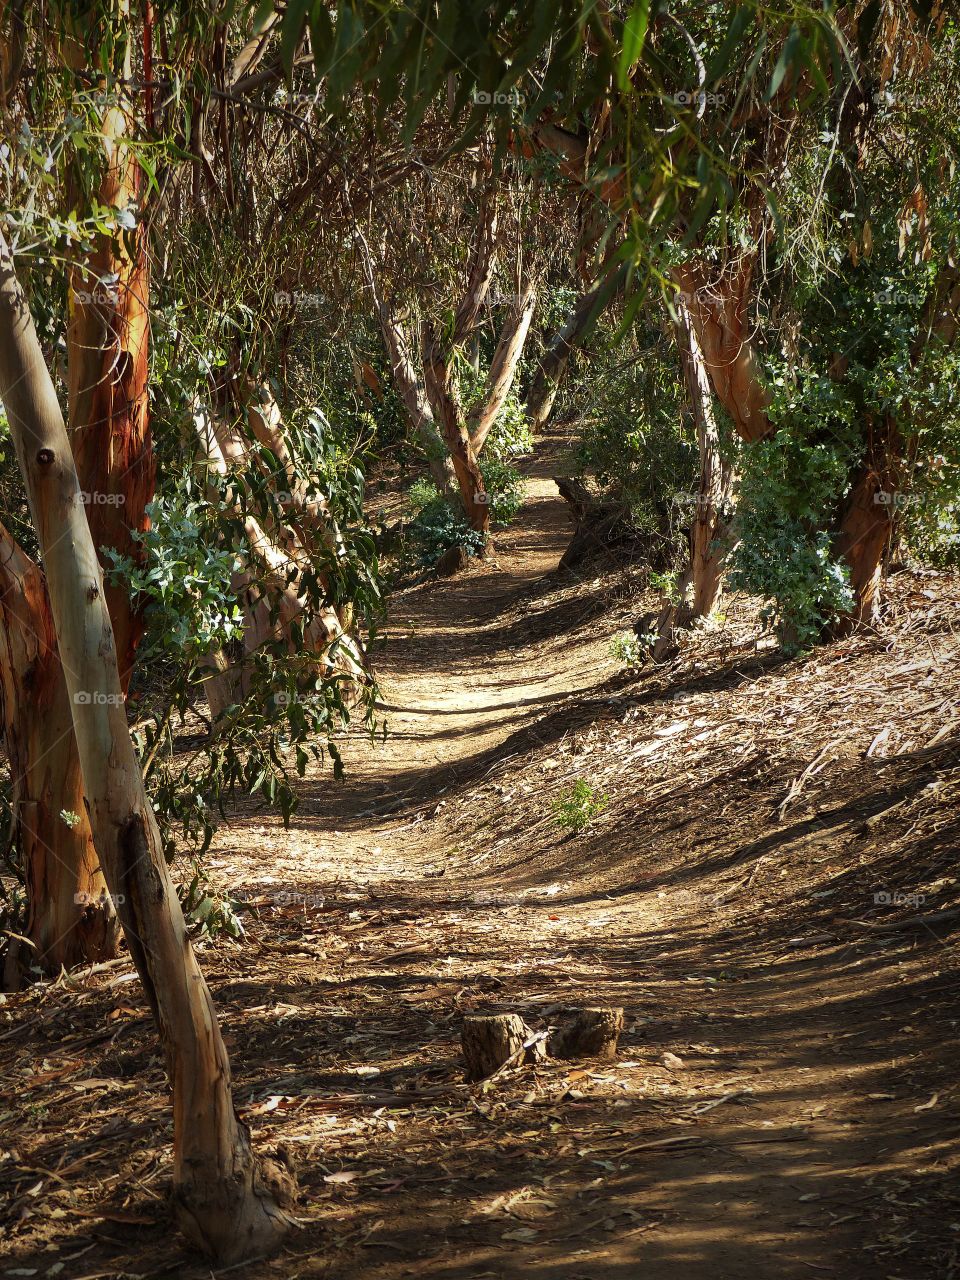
(770, 893)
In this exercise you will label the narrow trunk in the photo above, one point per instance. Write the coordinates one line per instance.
(453, 426)
(554, 361)
(867, 523)
(223, 1204)
(709, 530)
(72, 918)
(503, 366)
(701, 585)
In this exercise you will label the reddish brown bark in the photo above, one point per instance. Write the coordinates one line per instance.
(71, 917)
(719, 310)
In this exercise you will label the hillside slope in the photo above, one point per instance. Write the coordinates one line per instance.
(771, 893)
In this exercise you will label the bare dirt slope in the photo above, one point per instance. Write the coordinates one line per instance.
(770, 893)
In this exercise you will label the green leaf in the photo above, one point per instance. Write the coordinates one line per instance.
(793, 44)
(634, 37)
(291, 32)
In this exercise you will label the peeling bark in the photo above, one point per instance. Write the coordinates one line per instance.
(222, 1204)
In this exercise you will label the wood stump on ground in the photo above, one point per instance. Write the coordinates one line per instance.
(490, 1041)
(592, 1033)
(454, 560)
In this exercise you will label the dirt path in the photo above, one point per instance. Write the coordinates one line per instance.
(803, 1121)
(742, 1162)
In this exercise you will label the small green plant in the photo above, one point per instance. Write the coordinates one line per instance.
(668, 585)
(626, 649)
(207, 907)
(504, 484)
(438, 527)
(421, 494)
(578, 807)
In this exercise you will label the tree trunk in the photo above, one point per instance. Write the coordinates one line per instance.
(503, 366)
(869, 519)
(719, 311)
(71, 916)
(867, 523)
(554, 361)
(709, 529)
(223, 1204)
(453, 426)
(700, 588)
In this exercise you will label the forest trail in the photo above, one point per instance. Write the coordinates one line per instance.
(751, 1151)
(781, 1104)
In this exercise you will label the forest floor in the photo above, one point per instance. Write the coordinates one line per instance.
(762, 894)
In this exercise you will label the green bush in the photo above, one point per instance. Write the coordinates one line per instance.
(437, 527)
(578, 806)
(504, 486)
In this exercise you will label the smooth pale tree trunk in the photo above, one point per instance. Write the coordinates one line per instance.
(71, 918)
(701, 585)
(503, 366)
(223, 1204)
(453, 427)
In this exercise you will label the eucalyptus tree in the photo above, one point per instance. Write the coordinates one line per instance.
(685, 131)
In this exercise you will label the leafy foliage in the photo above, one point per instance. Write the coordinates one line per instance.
(578, 807)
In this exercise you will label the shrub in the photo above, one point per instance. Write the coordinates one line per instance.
(577, 807)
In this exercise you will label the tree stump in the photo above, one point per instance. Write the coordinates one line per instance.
(593, 1033)
(490, 1041)
(454, 560)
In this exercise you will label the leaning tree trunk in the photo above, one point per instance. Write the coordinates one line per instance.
(570, 339)
(223, 1205)
(71, 917)
(456, 435)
